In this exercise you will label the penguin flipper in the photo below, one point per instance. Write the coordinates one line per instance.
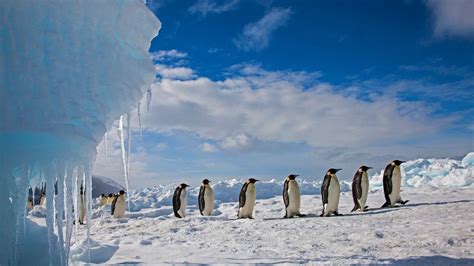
(176, 202)
(242, 195)
(112, 207)
(325, 189)
(286, 197)
(201, 199)
(386, 204)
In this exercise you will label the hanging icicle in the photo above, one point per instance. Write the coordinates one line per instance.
(140, 120)
(122, 148)
(148, 102)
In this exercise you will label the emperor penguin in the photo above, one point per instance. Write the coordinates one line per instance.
(247, 198)
(102, 200)
(118, 205)
(180, 201)
(110, 198)
(392, 179)
(206, 198)
(82, 215)
(291, 197)
(330, 192)
(360, 188)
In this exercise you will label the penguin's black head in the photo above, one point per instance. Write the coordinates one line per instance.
(292, 177)
(102, 195)
(206, 181)
(397, 162)
(183, 185)
(111, 195)
(121, 192)
(364, 168)
(253, 180)
(333, 171)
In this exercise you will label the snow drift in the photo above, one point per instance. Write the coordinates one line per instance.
(437, 173)
(68, 69)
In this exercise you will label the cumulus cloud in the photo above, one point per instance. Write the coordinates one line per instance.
(174, 72)
(256, 36)
(167, 55)
(284, 107)
(205, 7)
(452, 18)
(208, 147)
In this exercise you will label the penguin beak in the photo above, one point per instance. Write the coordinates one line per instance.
(257, 180)
(369, 167)
(402, 162)
(337, 170)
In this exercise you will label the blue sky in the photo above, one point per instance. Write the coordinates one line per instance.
(268, 88)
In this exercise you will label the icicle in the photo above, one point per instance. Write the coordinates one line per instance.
(68, 203)
(140, 120)
(49, 177)
(22, 186)
(106, 146)
(148, 102)
(76, 203)
(88, 201)
(122, 148)
(59, 204)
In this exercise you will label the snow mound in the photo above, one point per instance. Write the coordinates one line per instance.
(438, 173)
(468, 160)
(99, 253)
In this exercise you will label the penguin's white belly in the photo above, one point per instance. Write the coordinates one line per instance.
(396, 183)
(184, 203)
(294, 198)
(119, 211)
(102, 202)
(250, 197)
(208, 201)
(333, 196)
(365, 190)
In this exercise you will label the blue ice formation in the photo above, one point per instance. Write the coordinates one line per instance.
(68, 69)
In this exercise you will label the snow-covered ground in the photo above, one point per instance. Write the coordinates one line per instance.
(435, 227)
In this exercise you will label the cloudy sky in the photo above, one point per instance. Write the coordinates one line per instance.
(267, 88)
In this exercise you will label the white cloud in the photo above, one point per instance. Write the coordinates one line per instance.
(452, 17)
(166, 55)
(205, 7)
(208, 147)
(235, 142)
(174, 72)
(256, 36)
(284, 107)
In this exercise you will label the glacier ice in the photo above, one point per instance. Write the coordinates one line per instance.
(68, 69)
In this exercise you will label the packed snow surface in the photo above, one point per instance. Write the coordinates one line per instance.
(435, 227)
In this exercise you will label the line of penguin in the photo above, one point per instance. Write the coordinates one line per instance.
(330, 193)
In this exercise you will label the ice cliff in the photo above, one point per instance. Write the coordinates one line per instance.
(68, 69)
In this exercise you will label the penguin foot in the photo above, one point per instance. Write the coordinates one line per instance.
(321, 215)
(366, 207)
(301, 215)
(337, 214)
(385, 205)
(404, 202)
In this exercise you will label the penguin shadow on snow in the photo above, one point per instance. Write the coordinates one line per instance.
(437, 203)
